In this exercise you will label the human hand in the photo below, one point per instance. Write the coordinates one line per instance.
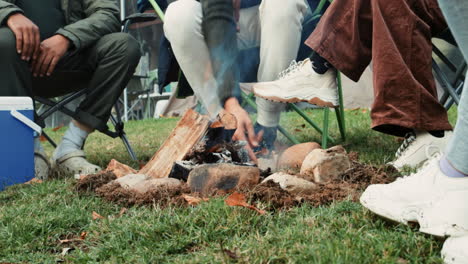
(27, 36)
(51, 51)
(245, 130)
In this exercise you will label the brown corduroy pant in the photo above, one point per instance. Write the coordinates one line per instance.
(396, 36)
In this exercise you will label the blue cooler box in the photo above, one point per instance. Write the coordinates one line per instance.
(17, 131)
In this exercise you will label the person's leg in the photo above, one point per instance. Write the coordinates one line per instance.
(220, 33)
(405, 94)
(281, 27)
(455, 164)
(15, 76)
(183, 29)
(349, 35)
(429, 197)
(16, 80)
(111, 62)
(456, 12)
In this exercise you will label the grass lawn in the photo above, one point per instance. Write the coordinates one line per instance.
(33, 218)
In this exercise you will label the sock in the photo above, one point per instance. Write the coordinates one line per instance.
(269, 136)
(268, 113)
(37, 145)
(437, 133)
(73, 140)
(319, 64)
(449, 170)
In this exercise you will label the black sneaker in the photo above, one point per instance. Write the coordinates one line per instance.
(269, 137)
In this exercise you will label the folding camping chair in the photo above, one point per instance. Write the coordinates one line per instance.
(80, 79)
(452, 88)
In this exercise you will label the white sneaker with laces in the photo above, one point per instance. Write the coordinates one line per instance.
(300, 83)
(455, 250)
(428, 197)
(419, 147)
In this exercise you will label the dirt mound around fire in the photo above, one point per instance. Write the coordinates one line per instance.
(270, 196)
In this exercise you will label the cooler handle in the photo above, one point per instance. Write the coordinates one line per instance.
(26, 121)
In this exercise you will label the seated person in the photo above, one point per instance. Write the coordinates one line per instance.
(396, 36)
(40, 40)
(273, 25)
(436, 196)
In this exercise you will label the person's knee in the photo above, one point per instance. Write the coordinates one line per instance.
(278, 11)
(124, 46)
(181, 21)
(7, 45)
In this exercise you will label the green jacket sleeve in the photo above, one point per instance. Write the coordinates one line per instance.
(6, 9)
(102, 18)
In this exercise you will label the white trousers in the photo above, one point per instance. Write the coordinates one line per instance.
(275, 26)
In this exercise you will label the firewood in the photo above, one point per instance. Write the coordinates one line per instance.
(188, 132)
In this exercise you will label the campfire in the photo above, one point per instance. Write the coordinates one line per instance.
(199, 160)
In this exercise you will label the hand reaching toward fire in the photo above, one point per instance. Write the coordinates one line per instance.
(245, 130)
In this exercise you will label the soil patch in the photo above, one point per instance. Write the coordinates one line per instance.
(91, 182)
(350, 186)
(163, 197)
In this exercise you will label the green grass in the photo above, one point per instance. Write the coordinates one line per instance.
(33, 218)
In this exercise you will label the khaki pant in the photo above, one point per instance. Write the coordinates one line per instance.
(396, 36)
(275, 26)
(108, 64)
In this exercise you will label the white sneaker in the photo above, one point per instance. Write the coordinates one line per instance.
(300, 83)
(420, 197)
(455, 250)
(419, 147)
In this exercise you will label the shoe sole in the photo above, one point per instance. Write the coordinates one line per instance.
(315, 101)
(436, 231)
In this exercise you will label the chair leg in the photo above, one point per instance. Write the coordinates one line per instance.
(49, 139)
(326, 115)
(118, 124)
(340, 114)
(250, 101)
(288, 135)
(128, 147)
(308, 120)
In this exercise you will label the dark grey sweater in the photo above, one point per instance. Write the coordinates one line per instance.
(46, 14)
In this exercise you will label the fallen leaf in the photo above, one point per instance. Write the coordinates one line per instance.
(42, 138)
(65, 251)
(83, 235)
(34, 181)
(55, 129)
(194, 200)
(297, 130)
(119, 169)
(122, 211)
(97, 216)
(238, 199)
(364, 111)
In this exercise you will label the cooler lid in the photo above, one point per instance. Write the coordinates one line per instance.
(16, 103)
